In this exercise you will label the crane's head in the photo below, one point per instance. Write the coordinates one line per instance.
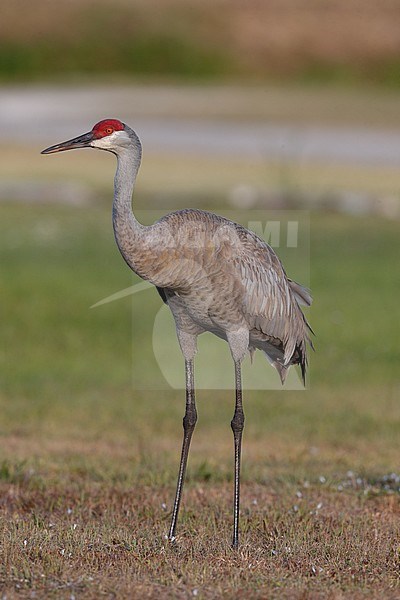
(109, 134)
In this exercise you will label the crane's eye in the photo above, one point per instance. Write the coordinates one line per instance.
(109, 130)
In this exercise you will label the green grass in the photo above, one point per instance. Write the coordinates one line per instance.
(153, 55)
(88, 459)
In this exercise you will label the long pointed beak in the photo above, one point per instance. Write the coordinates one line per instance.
(82, 141)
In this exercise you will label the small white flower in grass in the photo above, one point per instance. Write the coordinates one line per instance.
(74, 526)
(164, 506)
(254, 502)
(25, 543)
(295, 508)
(69, 511)
(322, 479)
(316, 570)
(319, 505)
(62, 551)
(299, 494)
(195, 592)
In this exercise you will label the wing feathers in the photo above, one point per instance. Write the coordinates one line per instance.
(301, 293)
(271, 304)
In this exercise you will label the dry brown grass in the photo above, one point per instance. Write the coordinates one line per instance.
(81, 538)
(289, 34)
(88, 518)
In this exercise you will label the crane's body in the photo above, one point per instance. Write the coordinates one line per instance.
(219, 277)
(215, 275)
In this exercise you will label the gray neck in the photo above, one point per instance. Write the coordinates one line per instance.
(127, 230)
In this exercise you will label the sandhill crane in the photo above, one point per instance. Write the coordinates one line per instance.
(215, 275)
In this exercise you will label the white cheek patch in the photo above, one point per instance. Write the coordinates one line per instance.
(106, 142)
(118, 138)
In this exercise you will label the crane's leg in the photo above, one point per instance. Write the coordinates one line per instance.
(237, 425)
(189, 422)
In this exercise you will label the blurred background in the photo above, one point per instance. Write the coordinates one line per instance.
(241, 106)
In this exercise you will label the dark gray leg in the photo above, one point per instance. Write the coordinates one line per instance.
(189, 422)
(237, 425)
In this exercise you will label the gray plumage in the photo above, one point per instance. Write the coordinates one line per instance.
(222, 277)
(215, 275)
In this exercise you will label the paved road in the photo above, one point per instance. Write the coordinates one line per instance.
(49, 115)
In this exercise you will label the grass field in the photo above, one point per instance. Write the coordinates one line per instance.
(88, 462)
(335, 41)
